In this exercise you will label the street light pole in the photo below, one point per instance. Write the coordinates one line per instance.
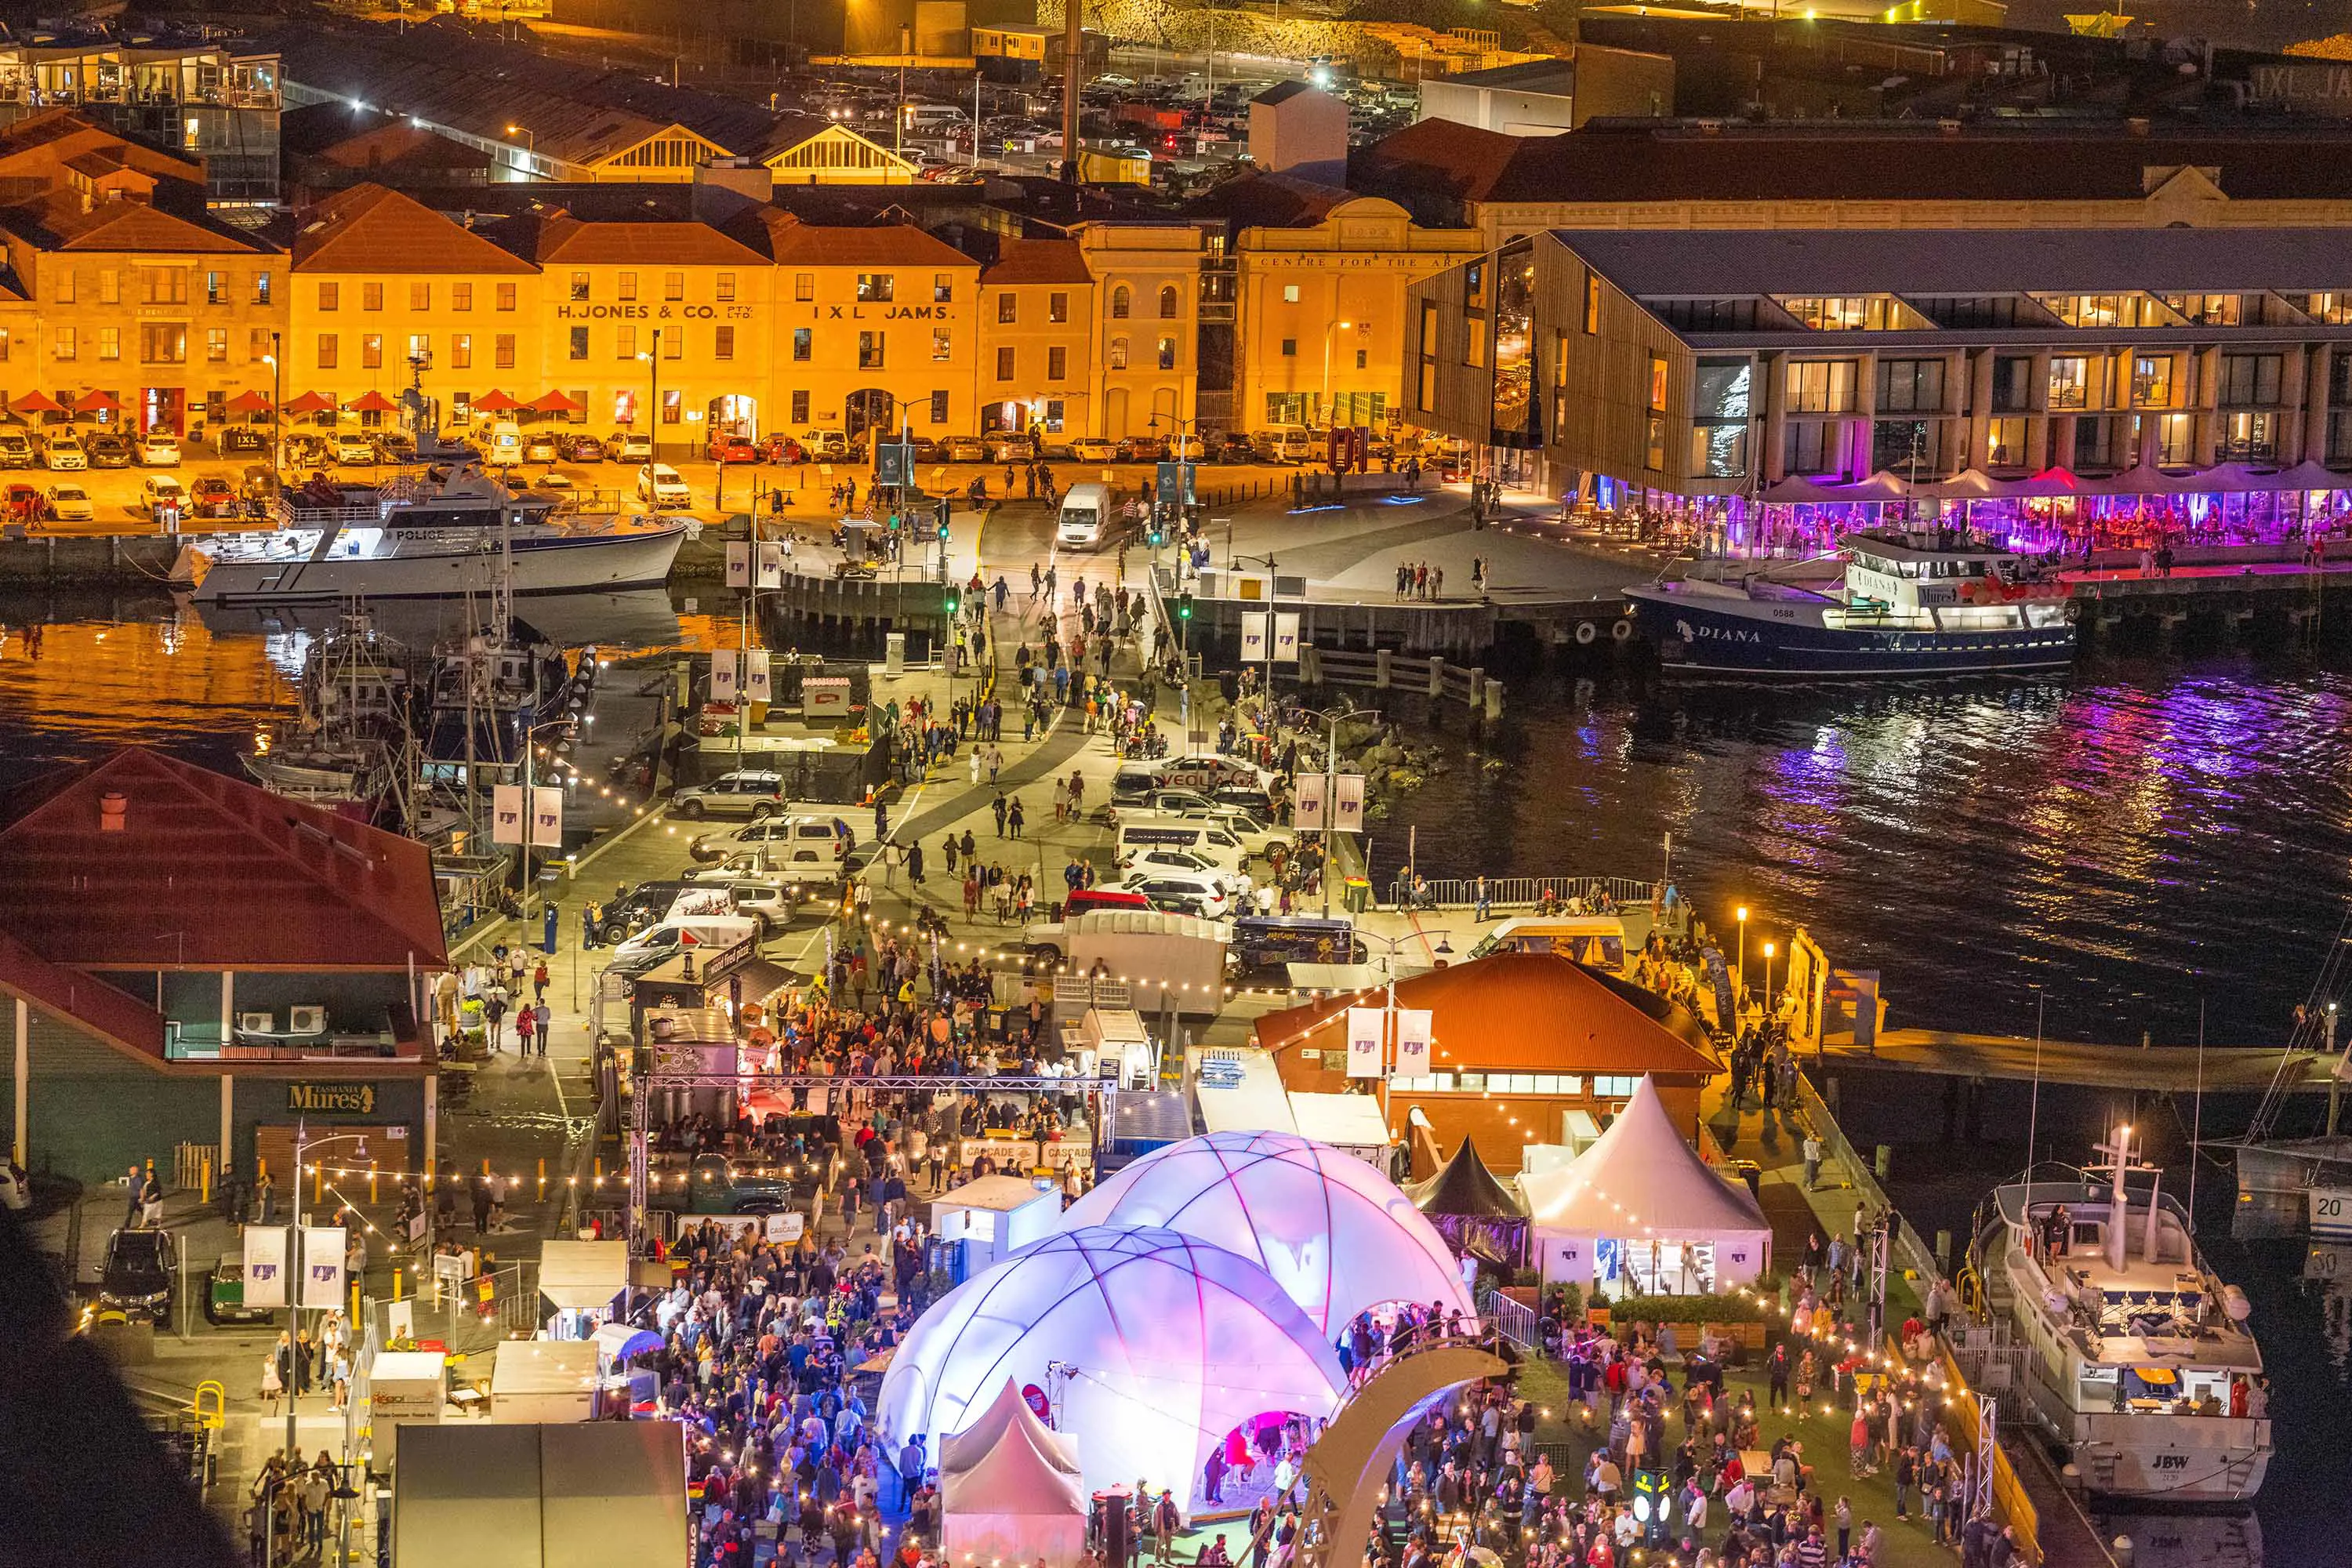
(531, 148)
(1329, 334)
(1743, 961)
(276, 415)
(294, 1302)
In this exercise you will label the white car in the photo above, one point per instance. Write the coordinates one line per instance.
(796, 840)
(1185, 892)
(71, 503)
(1154, 860)
(825, 444)
(353, 450)
(1095, 450)
(658, 484)
(159, 450)
(64, 452)
(629, 446)
(160, 492)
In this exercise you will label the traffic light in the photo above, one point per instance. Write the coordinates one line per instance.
(1183, 606)
(954, 601)
(1158, 536)
(946, 515)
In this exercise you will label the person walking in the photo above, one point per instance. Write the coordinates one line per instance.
(1014, 816)
(526, 1026)
(539, 982)
(1812, 1149)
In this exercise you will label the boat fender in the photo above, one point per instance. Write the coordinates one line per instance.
(1587, 633)
(2074, 610)
(1620, 630)
(2234, 1302)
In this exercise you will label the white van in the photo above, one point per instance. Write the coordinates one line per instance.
(1286, 444)
(705, 912)
(933, 118)
(1085, 509)
(505, 443)
(1213, 842)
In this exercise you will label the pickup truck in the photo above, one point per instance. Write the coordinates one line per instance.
(715, 1186)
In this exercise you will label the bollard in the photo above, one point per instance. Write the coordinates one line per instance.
(207, 1189)
(1878, 1161)
(1944, 1250)
(318, 1185)
(2122, 1550)
(2071, 1478)
(543, 1178)
(1494, 699)
(371, 1181)
(1436, 676)
(1380, 669)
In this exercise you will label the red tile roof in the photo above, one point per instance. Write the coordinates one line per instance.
(1037, 261)
(58, 222)
(888, 244)
(371, 230)
(564, 238)
(206, 872)
(1518, 1012)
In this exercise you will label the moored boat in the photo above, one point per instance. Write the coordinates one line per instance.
(1910, 602)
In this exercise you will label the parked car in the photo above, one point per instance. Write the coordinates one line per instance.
(540, 449)
(825, 444)
(643, 905)
(107, 450)
(659, 484)
(224, 1296)
(393, 445)
(70, 502)
(161, 493)
(159, 450)
(244, 438)
(629, 446)
(16, 449)
(964, 449)
(1141, 450)
(1232, 447)
(350, 448)
(1012, 449)
(1095, 450)
(137, 1279)
(926, 450)
(582, 449)
(829, 835)
(754, 793)
(732, 449)
(714, 1185)
(784, 449)
(1182, 893)
(213, 495)
(63, 452)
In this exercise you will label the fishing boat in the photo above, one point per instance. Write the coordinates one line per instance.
(344, 750)
(1909, 602)
(2307, 1177)
(2137, 1354)
(440, 536)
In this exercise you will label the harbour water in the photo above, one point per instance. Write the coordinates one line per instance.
(2132, 839)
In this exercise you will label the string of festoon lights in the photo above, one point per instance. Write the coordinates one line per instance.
(654, 1181)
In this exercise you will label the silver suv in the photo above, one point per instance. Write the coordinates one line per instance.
(755, 793)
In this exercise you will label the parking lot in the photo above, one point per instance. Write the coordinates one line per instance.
(111, 499)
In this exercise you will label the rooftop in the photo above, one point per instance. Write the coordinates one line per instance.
(1730, 263)
(368, 228)
(1037, 261)
(205, 872)
(1520, 1012)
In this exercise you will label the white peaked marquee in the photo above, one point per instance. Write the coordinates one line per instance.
(1011, 1490)
(1150, 1345)
(1335, 1234)
(1640, 1183)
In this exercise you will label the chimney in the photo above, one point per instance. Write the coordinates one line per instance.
(113, 807)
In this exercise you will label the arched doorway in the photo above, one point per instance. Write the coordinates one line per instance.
(868, 408)
(1115, 413)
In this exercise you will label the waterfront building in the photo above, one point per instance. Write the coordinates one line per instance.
(378, 279)
(1320, 280)
(125, 299)
(1037, 306)
(2121, 385)
(1526, 1048)
(215, 102)
(1148, 279)
(193, 960)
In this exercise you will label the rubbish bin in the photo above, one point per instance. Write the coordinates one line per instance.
(1356, 895)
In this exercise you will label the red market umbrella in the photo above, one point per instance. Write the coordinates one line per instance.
(35, 402)
(310, 402)
(550, 403)
(370, 403)
(250, 402)
(98, 403)
(495, 402)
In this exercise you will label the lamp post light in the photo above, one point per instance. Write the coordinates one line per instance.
(529, 148)
(652, 409)
(1329, 335)
(275, 360)
(1768, 980)
(1742, 914)
(300, 1272)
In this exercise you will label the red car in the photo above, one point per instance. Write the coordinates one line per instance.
(213, 495)
(733, 450)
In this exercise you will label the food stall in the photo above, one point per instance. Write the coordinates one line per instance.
(543, 1380)
(991, 1218)
(582, 1281)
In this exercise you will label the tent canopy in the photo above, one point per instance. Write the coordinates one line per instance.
(1467, 1187)
(1640, 1178)
(1336, 1234)
(582, 1274)
(616, 1342)
(1010, 1489)
(1008, 1417)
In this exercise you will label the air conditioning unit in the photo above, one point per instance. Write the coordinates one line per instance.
(255, 1023)
(306, 1020)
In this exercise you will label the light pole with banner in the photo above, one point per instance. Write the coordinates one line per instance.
(1329, 803)
(313, 1293)
(530, 815)
(1389, 1041)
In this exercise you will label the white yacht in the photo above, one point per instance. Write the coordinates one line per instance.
(1909, 602)
(430, 537)
(2135, 1353)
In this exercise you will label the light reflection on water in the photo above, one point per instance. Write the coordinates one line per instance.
(2127, 842)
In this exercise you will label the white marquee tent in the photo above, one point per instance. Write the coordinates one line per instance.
(1640, 1211)
(1335, 1234)
(1167, 1343)
(1011, 1490)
